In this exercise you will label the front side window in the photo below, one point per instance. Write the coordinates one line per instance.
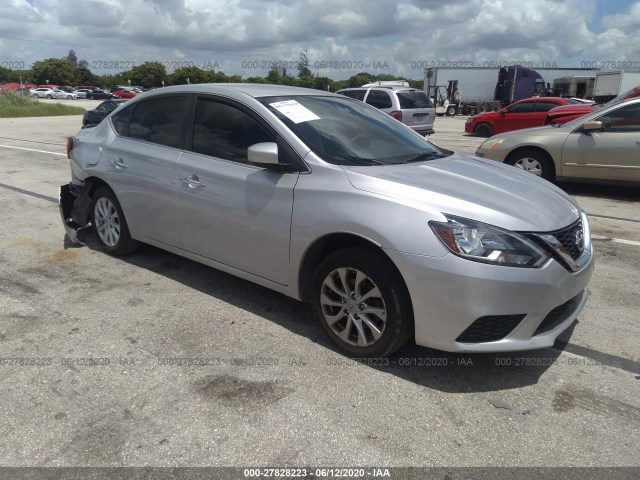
(159, 120)
(624, 119)
(379, 99)
(224, 131)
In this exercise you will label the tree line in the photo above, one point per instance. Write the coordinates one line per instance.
(70, 70)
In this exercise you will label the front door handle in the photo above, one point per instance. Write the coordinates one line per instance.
(192, 181)
(119, 164)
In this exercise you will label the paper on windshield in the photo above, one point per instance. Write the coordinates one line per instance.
(294, 111)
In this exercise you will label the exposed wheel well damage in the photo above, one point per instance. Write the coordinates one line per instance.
(75, 206)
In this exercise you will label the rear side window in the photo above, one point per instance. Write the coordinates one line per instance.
(223, 131)
(159, 120)
(379, 99)
(415, 99)
(544, 106)
(524, 107)
(121, 121)
(357, 94)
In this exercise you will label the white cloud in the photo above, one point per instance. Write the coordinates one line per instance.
(399, 35)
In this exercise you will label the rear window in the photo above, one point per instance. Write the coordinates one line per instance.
(357, 94)
(415, 99)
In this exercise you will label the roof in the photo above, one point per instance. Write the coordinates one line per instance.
(252, 89)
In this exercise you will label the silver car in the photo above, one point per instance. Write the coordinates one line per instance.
(410, 106)
(604, 144)
(331, 201)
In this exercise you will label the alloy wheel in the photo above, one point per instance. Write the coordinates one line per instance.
(107, 222)
(353, 307)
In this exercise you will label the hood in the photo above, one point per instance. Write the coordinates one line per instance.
(471, 187)
(573, 108)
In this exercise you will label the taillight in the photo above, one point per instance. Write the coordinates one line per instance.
(69, 146)
(397, 114)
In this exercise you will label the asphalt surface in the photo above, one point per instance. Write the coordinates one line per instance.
(154, 360)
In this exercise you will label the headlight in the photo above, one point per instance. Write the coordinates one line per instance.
(488, 244)
(491, 144)
(469, 120)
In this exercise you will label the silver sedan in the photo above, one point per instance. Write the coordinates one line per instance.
(328, 200)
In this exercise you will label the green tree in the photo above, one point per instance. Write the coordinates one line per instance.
(147, 75)
(5, 75)
(72, 59)
(84, 76)
(192, 73)
(303, 65)
(57, 71)
(360, 79)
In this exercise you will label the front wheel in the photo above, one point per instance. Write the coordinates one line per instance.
(451, 111)
(361, 302)
(49, 97)
(533, 161)
(483, 130)
(110, 225)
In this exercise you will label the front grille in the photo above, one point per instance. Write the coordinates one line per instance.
(490, 329)
(558, 315)
(572, 239)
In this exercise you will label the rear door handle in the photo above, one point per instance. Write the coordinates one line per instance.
(119, 164)
(192, 181)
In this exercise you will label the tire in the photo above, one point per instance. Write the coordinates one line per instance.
(109, 224)
(35, 95)
(533, 161)
(451, 111)
(69, 97)
(481, 108)
(49, 97)
(343, 316)
(483, 130)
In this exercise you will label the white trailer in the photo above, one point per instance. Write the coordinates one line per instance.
(611, 84)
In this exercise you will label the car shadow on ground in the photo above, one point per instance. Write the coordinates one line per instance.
(433, 369)
(619, 191)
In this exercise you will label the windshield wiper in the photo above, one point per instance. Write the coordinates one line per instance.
(425, 156)
(361, 161)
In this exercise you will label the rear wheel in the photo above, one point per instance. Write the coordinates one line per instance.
(110, 225)
(361, 302)
(34, 95)
(49, 97)
(483, 130)
(451, 111)
(533, 161)
(481, 108)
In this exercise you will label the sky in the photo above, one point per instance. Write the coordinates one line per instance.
(340, 37)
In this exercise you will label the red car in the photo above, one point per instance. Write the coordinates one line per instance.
(526, 113)
(571, 112)
(124, 93)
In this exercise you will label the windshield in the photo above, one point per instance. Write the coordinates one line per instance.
(344, 131)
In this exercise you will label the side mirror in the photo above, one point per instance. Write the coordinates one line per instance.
(591, 126)
(263, 154)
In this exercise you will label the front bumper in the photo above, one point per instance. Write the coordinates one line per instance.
(450, 294)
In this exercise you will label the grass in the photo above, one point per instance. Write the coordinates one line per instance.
(15, 105)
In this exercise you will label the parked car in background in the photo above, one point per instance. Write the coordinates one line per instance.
(124, 93)
(57, 93)
(410, 106)
(327, 200)
(95, 116)
(41, 92)
(604, 144)
(99, 95)
(571, 112)
(82, 92)
(526, 113)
